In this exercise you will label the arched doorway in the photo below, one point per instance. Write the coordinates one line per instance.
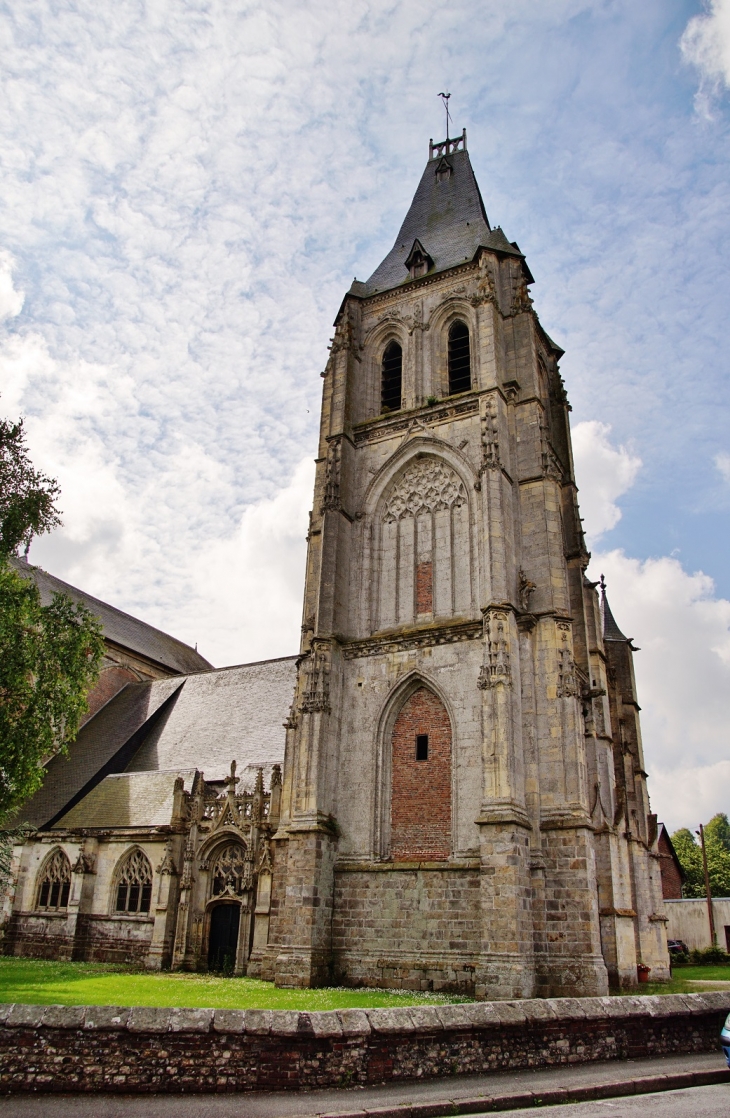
(223, 937)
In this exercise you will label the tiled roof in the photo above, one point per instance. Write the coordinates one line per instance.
(211, 718)
(447, 216)
(121, 628)
(220, 716)
(128, 800)
(99, 741)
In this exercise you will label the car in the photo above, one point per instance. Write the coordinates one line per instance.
(725, 1039)
(677, 947)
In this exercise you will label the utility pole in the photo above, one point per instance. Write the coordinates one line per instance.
(708, 894)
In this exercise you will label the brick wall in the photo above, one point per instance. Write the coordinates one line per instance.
(671, 876)
(421, 790)
(146, 1051)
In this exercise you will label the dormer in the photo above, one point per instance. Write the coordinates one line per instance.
(418, 262)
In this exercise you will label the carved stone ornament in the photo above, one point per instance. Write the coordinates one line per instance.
(85, 863)
(490, 437)
(332, 477)
(316, 680)
(566, 668)
(486, 291)
(496, 671)
(265, 865)
(525, 590)
(426, 487)
(344, 339)
(167, 865)
(521, 300)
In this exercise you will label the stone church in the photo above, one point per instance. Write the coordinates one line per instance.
(445, 789)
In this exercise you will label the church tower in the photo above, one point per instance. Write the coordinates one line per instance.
(452, 816)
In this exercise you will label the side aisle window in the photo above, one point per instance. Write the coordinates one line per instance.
(54, 884)
(134, 884)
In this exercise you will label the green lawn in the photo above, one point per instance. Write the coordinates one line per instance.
(36, 981)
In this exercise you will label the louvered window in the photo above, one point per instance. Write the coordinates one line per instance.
(55, 882)
(134, 884)
(459, 359)
(392, 378)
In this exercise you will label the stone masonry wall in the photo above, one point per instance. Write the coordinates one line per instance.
(410, 928)
(144, 1051)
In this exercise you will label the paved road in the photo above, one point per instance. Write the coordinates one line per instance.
(697, 1102)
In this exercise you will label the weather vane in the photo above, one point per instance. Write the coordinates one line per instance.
(445, 98)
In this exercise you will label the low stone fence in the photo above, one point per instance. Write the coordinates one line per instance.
(142, 1050)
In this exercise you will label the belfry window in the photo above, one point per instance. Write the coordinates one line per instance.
(459, 358)
(54, 885)
(391, 378)
(134, 884)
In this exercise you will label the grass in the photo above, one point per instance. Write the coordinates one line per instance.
(42, 982)
(686, 980)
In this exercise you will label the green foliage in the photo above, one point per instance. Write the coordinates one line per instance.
(717, 846)
(49, 658)
(27, 497)
(709, 957)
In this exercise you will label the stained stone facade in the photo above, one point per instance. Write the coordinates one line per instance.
(447, 603)
(456, 796)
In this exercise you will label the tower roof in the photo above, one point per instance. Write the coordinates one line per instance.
(611, 631)
(446, 216)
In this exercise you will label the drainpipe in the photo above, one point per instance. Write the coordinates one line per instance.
(708, 894)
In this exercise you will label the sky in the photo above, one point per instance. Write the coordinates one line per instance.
(188, 190)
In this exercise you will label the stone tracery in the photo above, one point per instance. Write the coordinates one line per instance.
(426, 487)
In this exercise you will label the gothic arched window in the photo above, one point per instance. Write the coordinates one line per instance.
(231, 872)
(459, 358)
(54, 883)
(391, 380)
(134, 884)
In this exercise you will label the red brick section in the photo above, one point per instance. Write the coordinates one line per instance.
(424, 587)
(421, 790)
(111, 680)
(671, 876)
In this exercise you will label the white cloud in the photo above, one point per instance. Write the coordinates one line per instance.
(683, 680)
(604, 473)
(706, 43)
(722, 461)
(11, 301)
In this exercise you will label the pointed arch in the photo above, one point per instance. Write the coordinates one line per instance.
(53, 883)
(402, 719)
(419, 551)
(391, 377)
(459, 350)
(132, 884)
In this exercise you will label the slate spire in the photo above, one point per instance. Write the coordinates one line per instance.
(611, 631)
(446, 220)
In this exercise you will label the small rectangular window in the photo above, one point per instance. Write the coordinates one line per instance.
(144, 904)
(421, 747)
(121, 897)
(45, 890)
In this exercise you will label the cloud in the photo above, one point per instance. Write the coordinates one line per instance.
(683, 680)
(722, 461)
(706, 44)
(604, 473)
(11, 301)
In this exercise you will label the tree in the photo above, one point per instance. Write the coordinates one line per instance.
(717, 847)
(27, 497)
(49, 655)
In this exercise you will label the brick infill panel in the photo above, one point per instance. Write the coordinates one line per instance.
(146, 1051)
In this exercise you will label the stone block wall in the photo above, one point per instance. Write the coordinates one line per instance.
(146, 1051)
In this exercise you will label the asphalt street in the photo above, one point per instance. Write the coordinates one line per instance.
(696, 1102)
